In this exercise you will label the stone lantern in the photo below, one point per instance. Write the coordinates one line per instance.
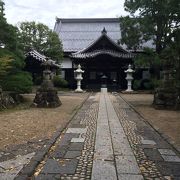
(79, 78)
(129, 78)
(46, 95)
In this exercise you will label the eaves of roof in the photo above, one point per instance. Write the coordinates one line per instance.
(101, 52)
(42, 58)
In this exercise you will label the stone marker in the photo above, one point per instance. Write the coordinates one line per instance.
(46, 95)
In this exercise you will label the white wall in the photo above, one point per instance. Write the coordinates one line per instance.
(66, 63)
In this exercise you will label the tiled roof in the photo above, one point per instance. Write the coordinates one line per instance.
(76, 34)
(40, 57)
(100, 52)
(91, 51)
(36, 55)
(107, 40)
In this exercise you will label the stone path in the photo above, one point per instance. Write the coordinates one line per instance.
(113, 157)
(107, 139)
(9, 169)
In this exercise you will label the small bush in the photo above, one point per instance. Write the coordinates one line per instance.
(38, 80)
(136, 84)
(59, 82)
(156, 83)
(148, 85)
(21, 82)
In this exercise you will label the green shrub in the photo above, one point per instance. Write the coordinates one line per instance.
(21, 82)
(148, 85)
(59, 82)
(38, 80)
(156, 83)
(136, 84)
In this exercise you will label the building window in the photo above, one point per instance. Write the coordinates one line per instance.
(92, 75)
(63, 74)
(146, 75)
(113, 75)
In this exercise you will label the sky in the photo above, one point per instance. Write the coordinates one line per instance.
(46, 11)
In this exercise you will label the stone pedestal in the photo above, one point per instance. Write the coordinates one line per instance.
(79, 78)
(167, 97)
(164, 98)
(46, 95)
(129, 78)
(104, 81)
(104, 90)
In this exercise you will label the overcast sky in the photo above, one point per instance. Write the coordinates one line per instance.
(45, 11)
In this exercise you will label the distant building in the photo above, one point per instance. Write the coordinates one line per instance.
(93, 43)
(33, 64)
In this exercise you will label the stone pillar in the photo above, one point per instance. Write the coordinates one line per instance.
(79, 78)
(129, 78)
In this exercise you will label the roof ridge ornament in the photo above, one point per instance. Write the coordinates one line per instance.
(104, 31)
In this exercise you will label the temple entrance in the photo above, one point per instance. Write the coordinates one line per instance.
(105, 70)
(103, 60)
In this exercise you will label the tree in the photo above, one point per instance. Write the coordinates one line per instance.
(5, 65)
(1, 8)
(11, 55)
(158, 19)
(130, 33)
(41, 38)
(155, 21)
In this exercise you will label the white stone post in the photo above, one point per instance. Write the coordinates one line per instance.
(79, 78)
(129, 78)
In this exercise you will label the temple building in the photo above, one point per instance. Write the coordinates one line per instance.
(93, 43)
(33, 64)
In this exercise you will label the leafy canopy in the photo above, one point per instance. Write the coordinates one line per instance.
(156, 20)
(39, 37)
(11, 57)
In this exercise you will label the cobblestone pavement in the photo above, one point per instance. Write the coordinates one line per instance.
(107, 139)
(156, 158)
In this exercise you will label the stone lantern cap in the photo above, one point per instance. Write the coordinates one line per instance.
(104, 77)
(129, 70)
(48, 63)
(79, 70)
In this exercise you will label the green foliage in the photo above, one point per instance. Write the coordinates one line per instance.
(54, 49)
(1, 8)
(148, 85)
(12, 78)
(5, 65)
(38, 80)
(20, 82)
(39, 37)
(59, 82)
(148, 58)
(11, 58)
(136, 84)
(156, 83)
(130, 32)
(158, 19)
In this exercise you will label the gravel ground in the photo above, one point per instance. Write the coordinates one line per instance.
(24, 124)
(168, 122)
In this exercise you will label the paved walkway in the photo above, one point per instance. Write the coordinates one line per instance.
(113, 157)
(107, 139)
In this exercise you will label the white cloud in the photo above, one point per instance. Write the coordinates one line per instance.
(45, 11)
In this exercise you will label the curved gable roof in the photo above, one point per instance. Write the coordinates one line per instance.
(103, 42)
(104, 45)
